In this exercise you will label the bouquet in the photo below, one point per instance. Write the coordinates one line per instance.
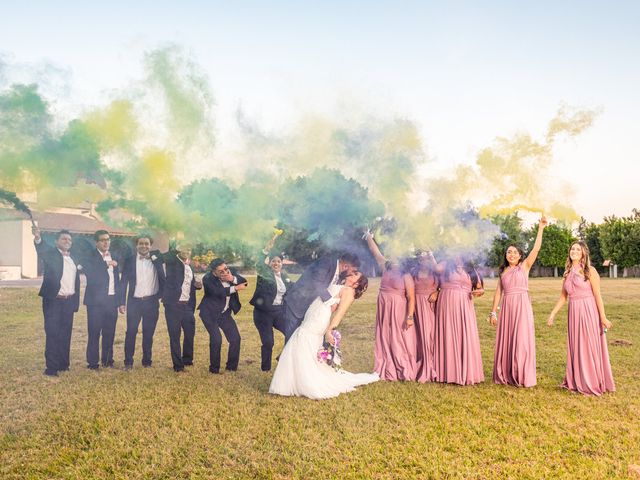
(330, 354)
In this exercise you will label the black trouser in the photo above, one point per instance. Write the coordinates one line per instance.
(265, 321)
(147, 310)
(101, 320)
(226, 323)
(291, 322)
(58, 323)
(180, 318)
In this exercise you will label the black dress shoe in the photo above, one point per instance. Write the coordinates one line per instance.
(178, 369)
(50, 373)
(213, 370)
(92, 367)
(188, 364)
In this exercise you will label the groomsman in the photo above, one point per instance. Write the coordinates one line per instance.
(100, 297)
(143, 275)
(179, 299)
(220, 300)
(60, 294)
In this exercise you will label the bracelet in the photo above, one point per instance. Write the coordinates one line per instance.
(409, 317)
(493, 314)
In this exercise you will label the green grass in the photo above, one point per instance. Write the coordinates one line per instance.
(155, 424)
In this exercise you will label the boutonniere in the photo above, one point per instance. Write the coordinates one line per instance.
(79, 267)
(154, 258)
(288, 280)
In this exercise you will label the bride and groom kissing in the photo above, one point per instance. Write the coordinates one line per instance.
(314, 306)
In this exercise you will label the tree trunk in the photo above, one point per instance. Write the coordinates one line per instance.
(555, 272)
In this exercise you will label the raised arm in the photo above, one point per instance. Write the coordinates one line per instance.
(533, 254)
(410, 289)
(594, 279)
(375, 251)
(493, 316)
(267, 248)
(347, 295)
(561, 301)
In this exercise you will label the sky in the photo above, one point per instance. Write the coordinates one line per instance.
(465, 72)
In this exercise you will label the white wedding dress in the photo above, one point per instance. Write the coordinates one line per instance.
(299, 373)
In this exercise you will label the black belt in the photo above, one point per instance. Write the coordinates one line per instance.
(64, 297)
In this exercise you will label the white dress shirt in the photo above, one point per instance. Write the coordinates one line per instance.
(146, 278)
(68, 279)
(112, 283)
(232, 290)
(186, 283)
(281, 289)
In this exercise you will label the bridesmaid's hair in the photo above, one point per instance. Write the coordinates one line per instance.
(475, 276)
(505, 262)
(585, 263)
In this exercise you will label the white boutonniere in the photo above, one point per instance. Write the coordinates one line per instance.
(79, 267)
(288, 280)
(154, 258)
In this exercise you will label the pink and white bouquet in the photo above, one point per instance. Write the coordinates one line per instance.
(330, 354)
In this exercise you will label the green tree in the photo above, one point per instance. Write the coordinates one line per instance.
(620, 239)
(511, 233)
(556, 241)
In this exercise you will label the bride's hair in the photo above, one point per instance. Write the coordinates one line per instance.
(362, 285)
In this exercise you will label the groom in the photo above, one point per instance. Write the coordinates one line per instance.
(314, 283)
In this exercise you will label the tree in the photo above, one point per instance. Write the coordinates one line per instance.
(620, 239)
(589, 233)
(556, 241)
(511, 233)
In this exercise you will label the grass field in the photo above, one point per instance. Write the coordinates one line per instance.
(155, 424)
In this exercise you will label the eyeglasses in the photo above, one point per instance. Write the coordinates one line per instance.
(222, 270)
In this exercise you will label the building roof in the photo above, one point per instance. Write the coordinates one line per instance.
(75, 223)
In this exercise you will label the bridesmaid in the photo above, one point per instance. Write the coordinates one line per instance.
(427, 283)
(396, 341)
(514, 361)
(456, 349)
(588, 368)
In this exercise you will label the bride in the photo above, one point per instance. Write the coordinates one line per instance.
(299, 372)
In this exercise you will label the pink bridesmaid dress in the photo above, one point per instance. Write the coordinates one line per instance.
(395, 349)
(456, 351)
(515, 353)
(425, 324)
(588, 366)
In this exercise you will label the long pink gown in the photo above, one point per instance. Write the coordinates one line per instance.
(425, 324)
(456, 352)
(588, 366)
(515, 354)
(395, 350)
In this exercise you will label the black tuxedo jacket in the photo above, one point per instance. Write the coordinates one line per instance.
(174, 276)
(96, 271)
(215, 295)
(266, 286)
(53, 265)
(128, 278)
(313, 283)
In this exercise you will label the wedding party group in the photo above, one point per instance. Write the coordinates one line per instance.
(425, 325)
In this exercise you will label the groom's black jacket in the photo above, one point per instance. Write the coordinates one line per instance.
(313, 283)
(215, 295)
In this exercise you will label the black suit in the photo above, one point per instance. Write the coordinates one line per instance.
(146, 308)
(58, 311)
(313, 283)
(266, 315)
(215, 319)
(179, 314)
(102, 307)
